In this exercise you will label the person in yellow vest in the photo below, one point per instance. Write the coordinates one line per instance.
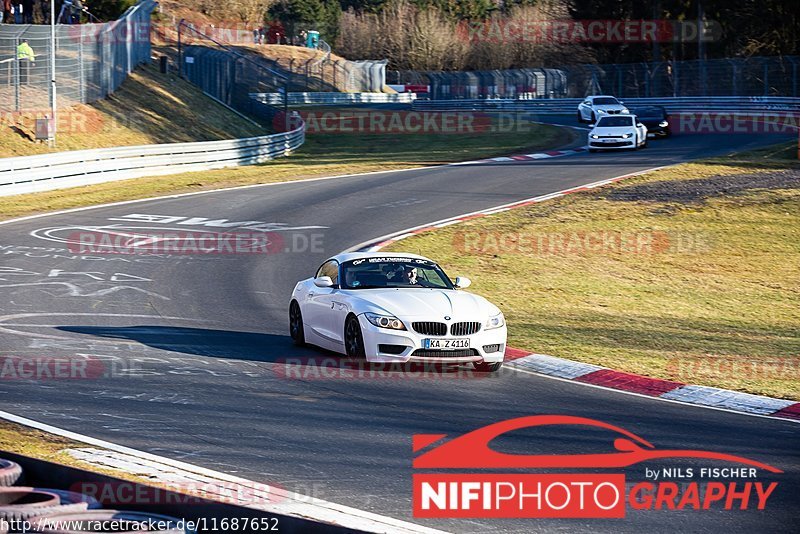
(26, 59)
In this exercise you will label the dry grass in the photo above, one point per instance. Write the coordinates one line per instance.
(32, 443)
(149, 108)
(710, 295)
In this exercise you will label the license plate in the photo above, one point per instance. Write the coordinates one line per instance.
(446, 343)
(608, 141)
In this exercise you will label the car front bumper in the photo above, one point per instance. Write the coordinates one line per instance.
(615, 145)
(658, 131)
(407, 346)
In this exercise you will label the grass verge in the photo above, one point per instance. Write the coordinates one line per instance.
(690, 273)
(33, 443)
(322, 155)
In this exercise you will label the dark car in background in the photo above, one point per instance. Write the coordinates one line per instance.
(655, 118)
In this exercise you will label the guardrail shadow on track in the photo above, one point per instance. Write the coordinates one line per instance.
(248, 346)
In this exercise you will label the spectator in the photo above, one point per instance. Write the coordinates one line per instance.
(16, 6)
(5, 10)
(27, 11)
(26, 59)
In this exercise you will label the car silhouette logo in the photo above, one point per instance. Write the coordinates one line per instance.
(446, 317)
(472, 450)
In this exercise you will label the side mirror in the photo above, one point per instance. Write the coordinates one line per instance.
(462, 282)
(639, 125)
(323, 281)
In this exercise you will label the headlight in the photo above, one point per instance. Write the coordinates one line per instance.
(495, 321)
(663, 124)
(601, 111)
(627, 135)
(624, 110)
(385, 321)
(594, 136)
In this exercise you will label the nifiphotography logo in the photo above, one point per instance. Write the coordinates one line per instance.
(480, 494)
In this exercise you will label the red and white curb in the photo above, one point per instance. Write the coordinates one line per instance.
(652, 387)
(526, 157)
(585, 373)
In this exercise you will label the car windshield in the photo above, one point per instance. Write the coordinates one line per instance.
(393, 272)
(651, 113)
(615, 122)
(606, 101)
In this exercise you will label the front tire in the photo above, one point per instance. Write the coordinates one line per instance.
(353, 339)
(296, 329)
(594, 118)
(483, 367)
(580, 118)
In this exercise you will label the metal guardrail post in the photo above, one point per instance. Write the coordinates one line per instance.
(180, 50)
(82, 73)
(735, 77)
(16, 76)
(286, 106)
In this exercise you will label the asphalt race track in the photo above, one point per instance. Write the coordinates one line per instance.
(197, 342)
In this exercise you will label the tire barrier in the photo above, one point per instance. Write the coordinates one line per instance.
(10, 473)
(72, 497)
(50, 510)
(17, 503)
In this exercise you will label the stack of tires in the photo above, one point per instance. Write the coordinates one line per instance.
(65, 512)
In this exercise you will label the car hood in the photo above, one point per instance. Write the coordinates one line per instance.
(433, 304)
(609, 107)
(616, 130)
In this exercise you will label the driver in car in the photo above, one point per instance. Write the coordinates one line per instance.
(410, 275)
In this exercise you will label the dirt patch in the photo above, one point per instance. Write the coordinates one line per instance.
(693, 191)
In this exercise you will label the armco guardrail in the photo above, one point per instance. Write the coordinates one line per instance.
(28, 174)
(276, 99)
(558, 106)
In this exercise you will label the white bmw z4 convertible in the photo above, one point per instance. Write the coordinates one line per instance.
(396, 307)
